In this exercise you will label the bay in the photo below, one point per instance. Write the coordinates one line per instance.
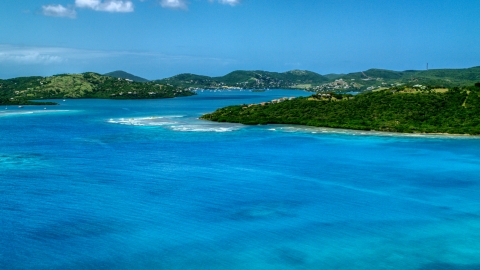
(145, 184)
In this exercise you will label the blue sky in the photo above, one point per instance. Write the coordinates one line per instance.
(161, 38)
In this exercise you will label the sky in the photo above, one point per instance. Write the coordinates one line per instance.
(156, 39)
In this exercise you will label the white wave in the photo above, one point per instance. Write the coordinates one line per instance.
(18, 112)
(203, 128)
(317, 130)
(147, 121)
(176, 123)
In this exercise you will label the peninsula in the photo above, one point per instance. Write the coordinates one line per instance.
(397, 109)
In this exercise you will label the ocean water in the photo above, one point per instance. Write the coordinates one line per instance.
(145, 184)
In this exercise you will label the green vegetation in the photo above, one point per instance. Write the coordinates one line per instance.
(456, 111)
(248, 79)
(372, 79)
(379, 78)
(22, 90)
(125, 75)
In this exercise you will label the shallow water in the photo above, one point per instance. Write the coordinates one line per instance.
(104, 184)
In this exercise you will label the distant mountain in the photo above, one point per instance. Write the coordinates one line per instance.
(375, 73)
(302, 79)
(120, 84)
(333, 76)
(125, 75)
(458, 75)
(249, 79)
(380, 78)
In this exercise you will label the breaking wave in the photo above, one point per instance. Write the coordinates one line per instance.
(177, 123)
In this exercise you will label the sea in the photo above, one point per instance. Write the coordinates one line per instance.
(146, 184)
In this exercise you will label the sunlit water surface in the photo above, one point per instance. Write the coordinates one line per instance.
(144, 184)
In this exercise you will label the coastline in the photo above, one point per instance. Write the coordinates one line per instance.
(356, 132)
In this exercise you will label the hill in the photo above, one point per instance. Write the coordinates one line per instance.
(455, 111)
(373, 79)
(190, 80)
(86, 85)
(125, 75)
(248, 79)
(367, 80)
(333, 76)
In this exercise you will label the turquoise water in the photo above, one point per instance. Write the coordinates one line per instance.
(103, 184)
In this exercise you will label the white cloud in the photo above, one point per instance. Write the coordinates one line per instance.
(92, 4)
(228, 2)
(28, 56)
(108, 5)
(175, 4)
(58, 11)
(117, 6)
(16, 61)
(56, 55)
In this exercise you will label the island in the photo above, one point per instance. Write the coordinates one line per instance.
(31, 90)
(396, 109)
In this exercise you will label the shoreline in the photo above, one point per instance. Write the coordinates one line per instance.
(355, 132)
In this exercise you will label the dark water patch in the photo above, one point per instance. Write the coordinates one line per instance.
(23, 159)
(65, 230)
(89, 263)
(449, 266)
(247, 211)
(455, 215)
(440, 182)
(290, 257)
(264, 210)
(11, 206)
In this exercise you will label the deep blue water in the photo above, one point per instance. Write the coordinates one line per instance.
(144, 184)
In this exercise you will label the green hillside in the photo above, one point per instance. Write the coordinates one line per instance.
(122, 85)
(373, 79)
(367, 80)
(333, 76)
(125, 75)
(248, 79)
(86, 85)
(190, 80)
(455, 111)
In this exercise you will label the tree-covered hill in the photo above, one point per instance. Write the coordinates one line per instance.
(190, 80)
(301, 79)
(125, 75)
(455, 111)
(86, 85)
(265, 79)
(381, 78)
(247, 79)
